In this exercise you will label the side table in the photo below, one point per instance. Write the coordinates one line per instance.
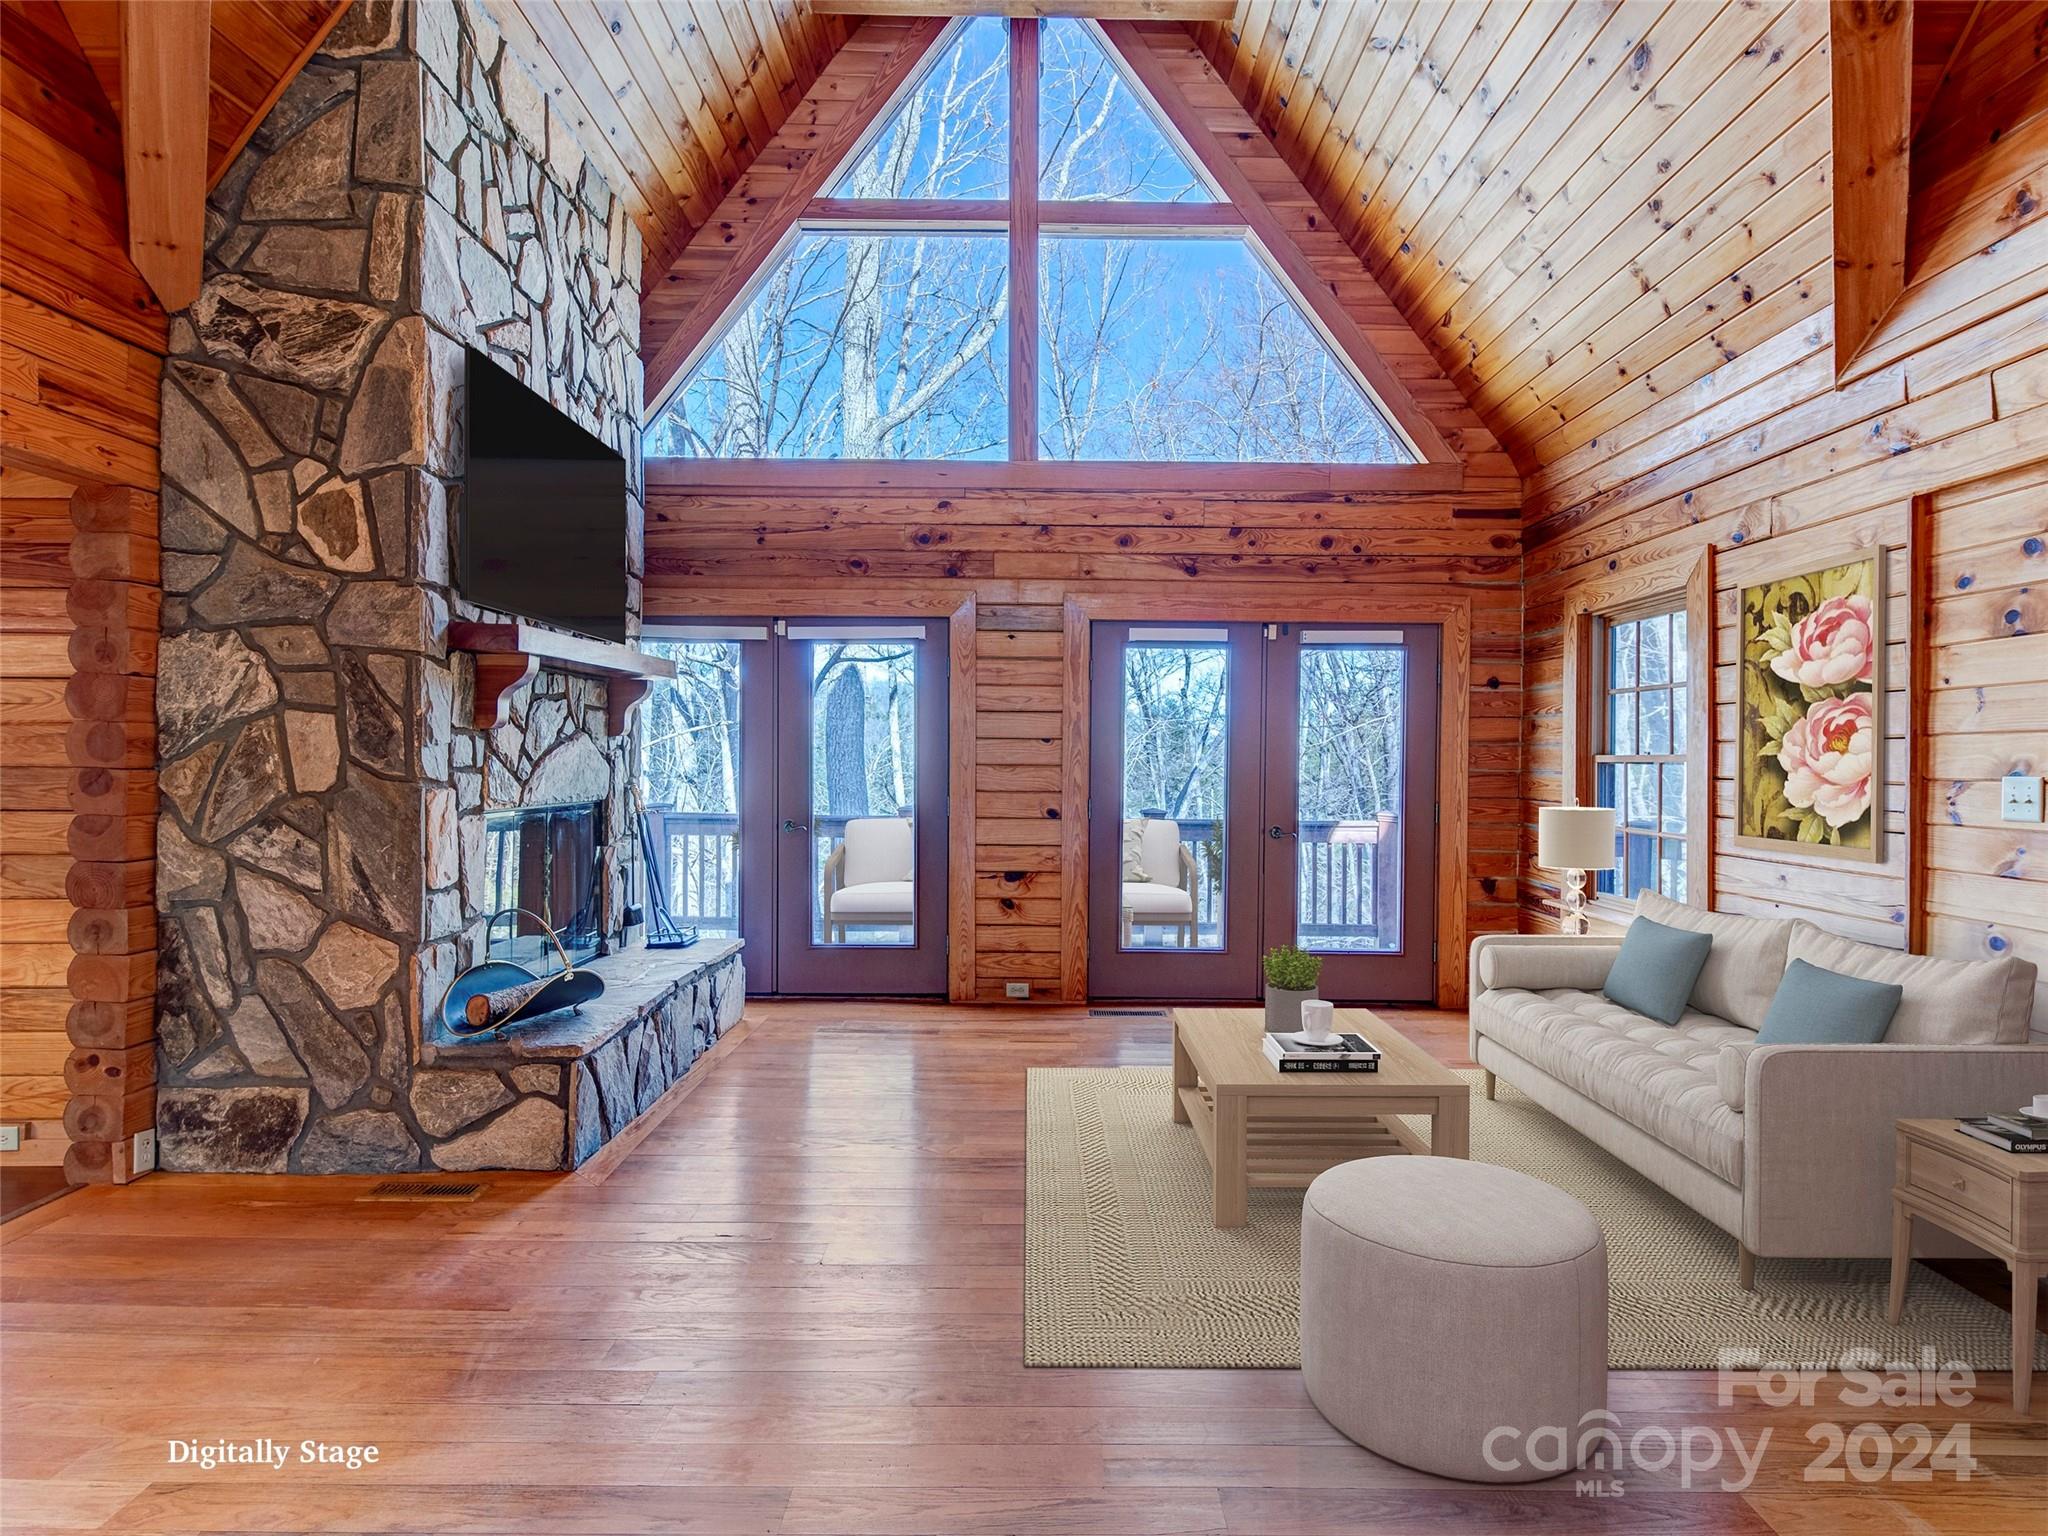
(1997, 1200)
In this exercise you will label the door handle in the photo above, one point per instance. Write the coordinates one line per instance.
(1277, 833)
(796, 826)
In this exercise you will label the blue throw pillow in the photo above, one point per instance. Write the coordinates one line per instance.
(1654, 973)
(1820, 1007)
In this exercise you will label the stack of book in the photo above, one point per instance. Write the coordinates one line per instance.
(1350, 1053)
(2016, 1132)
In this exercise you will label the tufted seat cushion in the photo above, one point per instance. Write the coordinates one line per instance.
(1662, 1079)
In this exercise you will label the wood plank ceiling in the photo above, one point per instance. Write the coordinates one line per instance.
(255, 50)
(1584, 208)
(1580, 208)
(673, 99)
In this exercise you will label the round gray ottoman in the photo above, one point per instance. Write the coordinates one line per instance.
(1448, 1310)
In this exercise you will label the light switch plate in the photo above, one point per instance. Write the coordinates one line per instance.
(2019, 797)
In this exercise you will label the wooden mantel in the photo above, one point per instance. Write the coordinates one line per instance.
(509, 654)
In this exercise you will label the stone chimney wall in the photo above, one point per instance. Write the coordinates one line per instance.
(320, 870)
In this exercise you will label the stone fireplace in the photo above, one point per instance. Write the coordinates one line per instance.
(322, 868)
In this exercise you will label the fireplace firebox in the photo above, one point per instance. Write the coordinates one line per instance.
(544, 862)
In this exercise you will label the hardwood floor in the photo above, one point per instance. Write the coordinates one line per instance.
(793, 1307)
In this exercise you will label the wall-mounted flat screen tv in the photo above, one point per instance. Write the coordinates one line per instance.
(543, 511)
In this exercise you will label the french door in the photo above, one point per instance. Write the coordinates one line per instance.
(1259, 785)
(795, 780)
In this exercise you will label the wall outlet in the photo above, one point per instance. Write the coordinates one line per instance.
(2019, 797)
(142, 1154)
(10, 1138)
(1017, 989)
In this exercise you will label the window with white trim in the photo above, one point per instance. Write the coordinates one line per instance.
(1639, 757)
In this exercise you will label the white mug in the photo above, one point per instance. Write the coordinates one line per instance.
(1318, 1019)
(2039, 1107)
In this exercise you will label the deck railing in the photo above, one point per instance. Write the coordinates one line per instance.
(697, 865)
(1345, 889)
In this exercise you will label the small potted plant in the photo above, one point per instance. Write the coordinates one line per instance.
(1290, 981)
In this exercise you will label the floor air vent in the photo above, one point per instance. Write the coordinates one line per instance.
(1126, 1013)
(417, 1189)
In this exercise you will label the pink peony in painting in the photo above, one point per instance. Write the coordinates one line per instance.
(1810, 748)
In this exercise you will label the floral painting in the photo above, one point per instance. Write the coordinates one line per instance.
(1810, 762)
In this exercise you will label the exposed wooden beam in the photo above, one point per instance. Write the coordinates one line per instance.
(1100, 10)
(165, 51)
(800, 171)
(1200, 136)
(1871, 55)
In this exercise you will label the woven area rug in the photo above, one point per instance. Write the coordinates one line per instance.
(1123, 1268)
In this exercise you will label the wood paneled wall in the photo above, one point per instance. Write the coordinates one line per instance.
(1981, 884)
(82, 347)
(1022, 556)
(1935, 454)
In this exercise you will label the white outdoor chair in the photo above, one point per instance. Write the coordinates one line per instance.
(1161, 886)
(870, 877)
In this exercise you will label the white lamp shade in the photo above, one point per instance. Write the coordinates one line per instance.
(1575, 837)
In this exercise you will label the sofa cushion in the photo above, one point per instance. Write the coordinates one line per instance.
(1540, 964)
(1731, 1069)
(1942, 1002)
(1822, 1007)
(1656, 968)
(1741, 974)
(1659, 1078)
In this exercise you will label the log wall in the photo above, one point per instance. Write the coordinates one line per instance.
(78, 616)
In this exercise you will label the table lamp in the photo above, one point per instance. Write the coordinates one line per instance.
(1573, 839)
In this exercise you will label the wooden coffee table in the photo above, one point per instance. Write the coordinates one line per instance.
(1265, 1129)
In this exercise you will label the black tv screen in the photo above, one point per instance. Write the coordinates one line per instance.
(543, 511)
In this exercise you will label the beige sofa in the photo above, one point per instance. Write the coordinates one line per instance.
(1789, 1148)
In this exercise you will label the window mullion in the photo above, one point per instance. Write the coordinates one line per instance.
(1023, 380)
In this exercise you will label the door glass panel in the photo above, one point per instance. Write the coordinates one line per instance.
(863, 755)
(1176, 726)
(1348, 858)
(690, 784)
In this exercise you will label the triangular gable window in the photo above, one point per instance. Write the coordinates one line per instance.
(1097, 138)
(949, 139)
(858, 346)
(886, 332)
(1190, 350)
